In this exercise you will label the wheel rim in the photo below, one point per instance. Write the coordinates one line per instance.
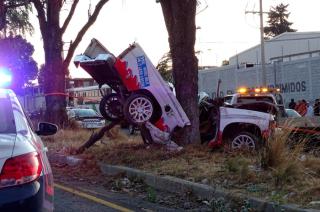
(140, 109)
(243, 141)
(112, 107)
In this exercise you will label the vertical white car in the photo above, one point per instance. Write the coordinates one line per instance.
(141, 95)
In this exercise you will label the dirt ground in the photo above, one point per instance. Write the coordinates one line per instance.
(276, 173)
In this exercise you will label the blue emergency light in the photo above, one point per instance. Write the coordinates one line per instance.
(5, 77)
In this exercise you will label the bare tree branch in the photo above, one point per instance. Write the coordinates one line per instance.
(41, 16)
(95, 137)
(70, 15)
(81, 33)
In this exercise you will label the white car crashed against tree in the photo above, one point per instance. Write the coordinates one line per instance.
(141, 96)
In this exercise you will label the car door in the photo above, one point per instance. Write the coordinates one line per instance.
(7, 130)
(48, 191)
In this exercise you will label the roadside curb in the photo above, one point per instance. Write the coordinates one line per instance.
(176, 185)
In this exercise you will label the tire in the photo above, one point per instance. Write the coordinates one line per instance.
(139, 108)
(110, 107)
(245, 140)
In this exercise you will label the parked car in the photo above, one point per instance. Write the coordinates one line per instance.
(302, 129)
(86, 118)
(26, 182)
(293, 119)
(292, 113)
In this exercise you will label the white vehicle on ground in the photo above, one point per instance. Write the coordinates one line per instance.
(223, 125)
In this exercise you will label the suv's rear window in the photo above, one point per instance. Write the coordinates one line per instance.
(7, 123)
(251, 99)
(227, 99)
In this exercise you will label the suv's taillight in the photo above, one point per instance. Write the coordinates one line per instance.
(20, 169)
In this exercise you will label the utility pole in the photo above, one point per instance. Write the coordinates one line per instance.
(263, 60)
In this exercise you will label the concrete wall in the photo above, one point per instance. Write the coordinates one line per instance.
(299, 79)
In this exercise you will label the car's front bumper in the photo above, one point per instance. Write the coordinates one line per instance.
(92, 125)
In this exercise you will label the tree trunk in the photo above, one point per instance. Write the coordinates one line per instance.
(56, 68)
(3, 10)
(54, 80)
(179, 17)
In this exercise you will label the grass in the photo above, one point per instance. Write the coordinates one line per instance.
(282, 160)
(278, 172)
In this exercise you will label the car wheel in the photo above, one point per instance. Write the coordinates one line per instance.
(139, 109)
(244, 140)
(110, 107)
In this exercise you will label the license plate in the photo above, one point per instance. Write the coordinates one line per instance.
(91, 125)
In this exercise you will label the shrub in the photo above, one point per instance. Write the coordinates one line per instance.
(282, 159)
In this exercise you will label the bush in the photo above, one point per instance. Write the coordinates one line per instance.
(282, 160)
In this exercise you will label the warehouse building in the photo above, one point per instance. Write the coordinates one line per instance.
(293, 65)
(282, 48)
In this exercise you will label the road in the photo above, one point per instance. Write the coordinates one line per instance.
(70, 199)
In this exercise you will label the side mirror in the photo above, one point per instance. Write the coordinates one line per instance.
(45, 129)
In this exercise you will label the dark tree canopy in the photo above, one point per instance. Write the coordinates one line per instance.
(165, 67)
(16, 55)
(14, 16)
(278, 21)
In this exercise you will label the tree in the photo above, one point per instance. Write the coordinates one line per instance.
(165, 67)
(14, 16)
(56, 67)
(16, 55)
(278, 21)
(179, 16)
(225, 62)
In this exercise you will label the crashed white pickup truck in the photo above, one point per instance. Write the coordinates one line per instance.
(223, 125)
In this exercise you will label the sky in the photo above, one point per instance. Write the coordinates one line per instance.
(223, 27)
